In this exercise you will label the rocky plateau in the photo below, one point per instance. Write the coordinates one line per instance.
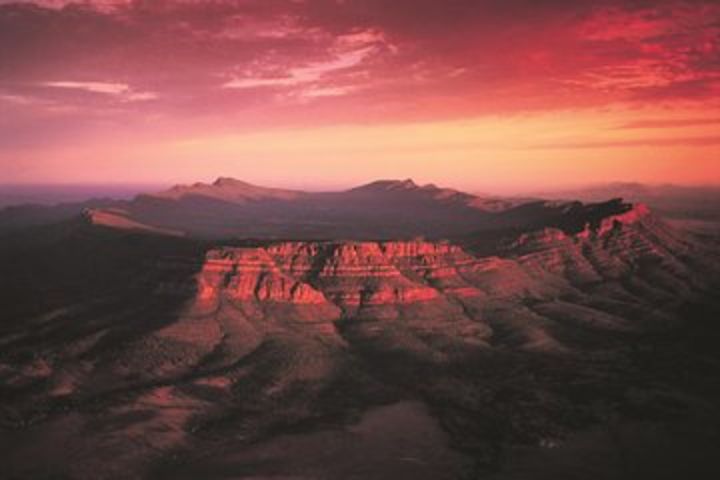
(163, 336)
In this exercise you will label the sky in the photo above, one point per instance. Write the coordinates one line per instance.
(492, 95)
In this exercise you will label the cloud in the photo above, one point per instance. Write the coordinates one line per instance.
(702, 141)
(301, 75)
(119, 90)
(402, 60)
(327, 92)
(94, 87)
(314, 71)
(18, 99)
(670, 123)
(140, 96)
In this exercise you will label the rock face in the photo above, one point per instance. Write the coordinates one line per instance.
(252, 274)
(353, 276)
(629, 254)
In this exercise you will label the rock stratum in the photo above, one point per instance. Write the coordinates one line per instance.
(630, 261)
(151, 352)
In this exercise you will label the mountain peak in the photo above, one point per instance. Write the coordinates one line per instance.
(388, 185)
(226, 189)
(230, 182)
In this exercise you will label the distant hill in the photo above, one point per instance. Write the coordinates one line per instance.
(674, 201)
(48, 195)
(17, 217)
(384, 209)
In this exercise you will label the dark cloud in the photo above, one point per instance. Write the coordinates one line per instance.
(416, 58)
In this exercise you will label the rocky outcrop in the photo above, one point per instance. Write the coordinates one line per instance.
(350, 275)
(634, 214)
(608, 247)
(252, 274)
(390, 276)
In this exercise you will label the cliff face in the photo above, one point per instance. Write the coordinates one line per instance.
(351, 275)
(252, 274)
(355, 275)
(630, 256)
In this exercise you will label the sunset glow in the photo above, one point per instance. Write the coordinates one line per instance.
(491, 95)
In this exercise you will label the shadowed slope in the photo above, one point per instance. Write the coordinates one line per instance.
(387, 209)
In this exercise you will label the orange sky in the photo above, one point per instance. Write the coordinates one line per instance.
(500, 96)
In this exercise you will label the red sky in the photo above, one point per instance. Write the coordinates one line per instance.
(498, 95)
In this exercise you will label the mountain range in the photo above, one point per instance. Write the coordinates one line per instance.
(231, 208)
(227, 330)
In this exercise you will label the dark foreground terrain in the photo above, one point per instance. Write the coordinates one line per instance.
(531, 341)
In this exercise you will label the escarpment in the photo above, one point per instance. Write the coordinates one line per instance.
(350, 275)
(588, 271)
(629, 256)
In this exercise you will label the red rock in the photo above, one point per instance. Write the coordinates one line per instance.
(393, 275)
(637, 213)
(252, 274)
